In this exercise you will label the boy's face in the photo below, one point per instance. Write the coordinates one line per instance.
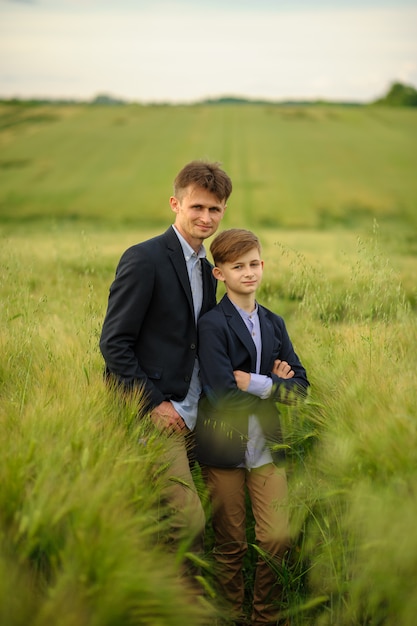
(198, 214)
(242, 276)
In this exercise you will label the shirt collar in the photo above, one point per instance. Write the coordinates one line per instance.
(187, 249)
(244, 313)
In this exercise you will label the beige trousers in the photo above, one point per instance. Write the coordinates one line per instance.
(179, 495)
(267, 487)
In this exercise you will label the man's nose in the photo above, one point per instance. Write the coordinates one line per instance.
(205, 215)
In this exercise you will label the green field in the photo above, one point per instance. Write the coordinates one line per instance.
(311, 167)
(332, 193)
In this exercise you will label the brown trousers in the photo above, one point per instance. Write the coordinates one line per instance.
(267, 487)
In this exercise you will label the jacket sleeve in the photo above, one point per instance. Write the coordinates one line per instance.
(287, 390)
(129, 298)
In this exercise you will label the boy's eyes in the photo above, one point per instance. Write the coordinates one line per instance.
(240, 265)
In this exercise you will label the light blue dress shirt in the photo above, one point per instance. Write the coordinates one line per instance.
(187, 408)
(257, 453)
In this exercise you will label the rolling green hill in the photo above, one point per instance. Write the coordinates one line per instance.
(292, 167)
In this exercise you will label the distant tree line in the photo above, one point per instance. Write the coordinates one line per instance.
(399, 95)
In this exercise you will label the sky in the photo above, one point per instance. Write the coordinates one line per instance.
(183, 51)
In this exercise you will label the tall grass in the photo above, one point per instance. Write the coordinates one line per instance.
(353, 488)
(81, 530)
(353, 448)
(82, 526)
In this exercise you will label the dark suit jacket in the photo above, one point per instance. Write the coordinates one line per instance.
(149, 335)
(225, 345)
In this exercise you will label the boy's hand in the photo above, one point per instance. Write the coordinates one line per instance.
(282, 369)
(242, 379)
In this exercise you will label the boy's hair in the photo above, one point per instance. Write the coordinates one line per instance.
(203, 174)
(228, 245)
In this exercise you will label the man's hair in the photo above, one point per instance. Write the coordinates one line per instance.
(228, 245)
(203, 174)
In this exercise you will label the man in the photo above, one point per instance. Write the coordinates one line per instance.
(149, 335)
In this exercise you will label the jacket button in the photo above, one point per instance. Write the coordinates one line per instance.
(187, 379)
(192, 346)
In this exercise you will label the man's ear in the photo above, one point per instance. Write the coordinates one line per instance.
(217, 273)
(174, 202)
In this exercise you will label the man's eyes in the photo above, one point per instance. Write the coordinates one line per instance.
(212, 209)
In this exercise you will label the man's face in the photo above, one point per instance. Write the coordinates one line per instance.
(198, 214)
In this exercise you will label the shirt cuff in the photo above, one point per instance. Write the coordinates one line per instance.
(260, 385)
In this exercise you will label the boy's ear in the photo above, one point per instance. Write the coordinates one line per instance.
(217, 273)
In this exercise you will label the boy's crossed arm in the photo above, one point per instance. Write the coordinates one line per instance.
(281, 369)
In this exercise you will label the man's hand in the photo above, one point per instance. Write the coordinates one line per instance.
(165, 417)
(282, 369)
(242, 379)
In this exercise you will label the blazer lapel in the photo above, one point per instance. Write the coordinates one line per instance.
(209, 286)
(267, 334)
(177, 258)
(239, 327)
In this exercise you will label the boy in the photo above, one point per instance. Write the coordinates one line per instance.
(247, 363)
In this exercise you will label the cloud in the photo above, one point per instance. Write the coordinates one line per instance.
(181, 55)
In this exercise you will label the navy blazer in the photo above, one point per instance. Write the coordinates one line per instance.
(149, 335)
(225, 345)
